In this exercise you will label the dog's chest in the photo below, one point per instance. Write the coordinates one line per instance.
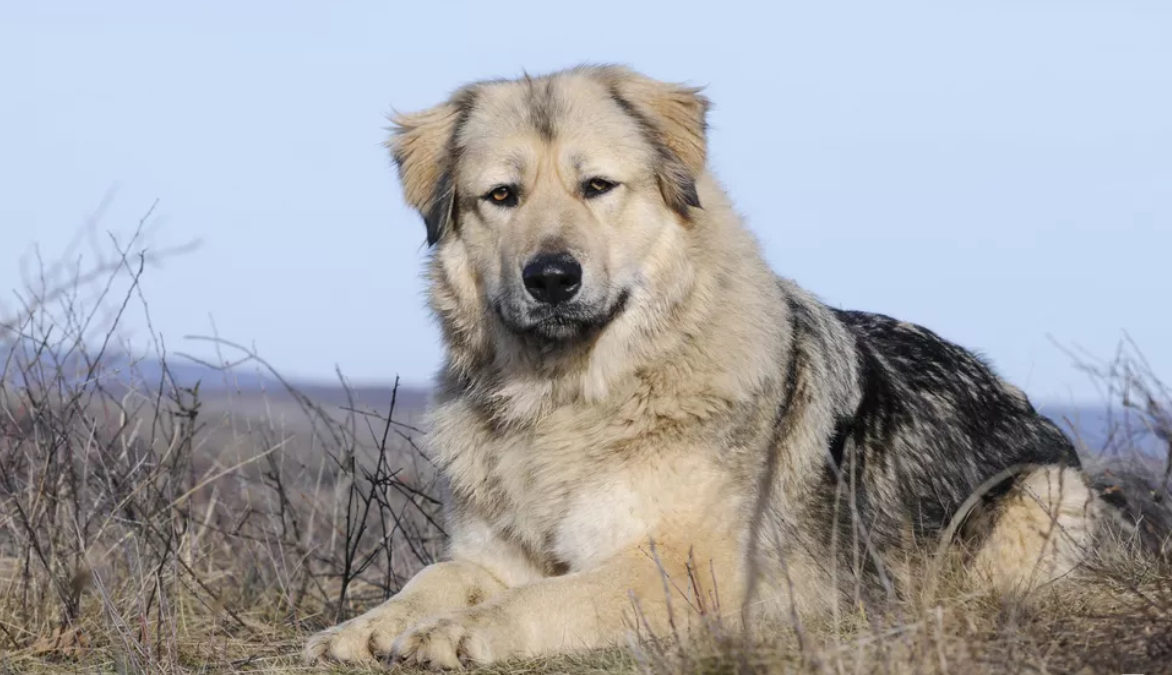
(569, 494)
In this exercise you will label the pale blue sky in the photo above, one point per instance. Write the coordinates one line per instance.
(997, 170)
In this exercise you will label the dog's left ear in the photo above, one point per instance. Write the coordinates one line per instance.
(674, 116)
(423, 146)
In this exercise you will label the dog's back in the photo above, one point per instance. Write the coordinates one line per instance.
(936, 420)
(933, 439)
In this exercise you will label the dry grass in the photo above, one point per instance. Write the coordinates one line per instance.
(1117, 619)
(150, 528)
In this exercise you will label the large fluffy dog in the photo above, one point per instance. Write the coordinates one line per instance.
(634, 405)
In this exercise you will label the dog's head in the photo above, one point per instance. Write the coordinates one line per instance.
(546, 198)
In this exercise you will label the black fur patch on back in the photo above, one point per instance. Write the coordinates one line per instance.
(941, 416)
(931, 424)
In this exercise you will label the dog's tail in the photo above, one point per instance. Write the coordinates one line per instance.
(1137, 496)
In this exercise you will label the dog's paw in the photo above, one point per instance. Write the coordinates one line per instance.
(362, 639)
(454, 641)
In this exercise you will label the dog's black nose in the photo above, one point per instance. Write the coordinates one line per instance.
(552, 278)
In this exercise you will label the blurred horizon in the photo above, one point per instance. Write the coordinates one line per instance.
(1102, 430)
(1001, 173)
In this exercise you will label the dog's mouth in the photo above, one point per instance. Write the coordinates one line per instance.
(563, 323)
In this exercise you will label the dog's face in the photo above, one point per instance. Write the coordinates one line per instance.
(550, 194)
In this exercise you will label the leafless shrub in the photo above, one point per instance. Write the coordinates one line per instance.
(145, 523)
(1132, 464)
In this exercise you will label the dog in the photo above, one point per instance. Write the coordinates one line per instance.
(632, 397)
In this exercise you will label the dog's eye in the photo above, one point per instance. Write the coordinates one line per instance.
(502, 195)
(597, 186)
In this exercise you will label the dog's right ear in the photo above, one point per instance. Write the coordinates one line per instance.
(423, 146)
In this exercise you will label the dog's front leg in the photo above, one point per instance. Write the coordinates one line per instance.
(435, 589)
(579, 610)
